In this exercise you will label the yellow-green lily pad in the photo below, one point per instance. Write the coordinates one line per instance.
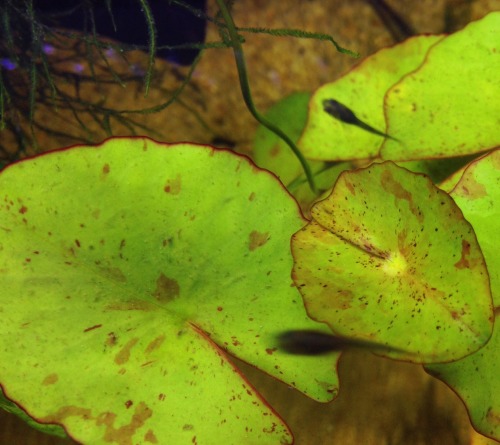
(362, 90)
(449, 106)
(388, 257)
(129, 271)
(476, 378)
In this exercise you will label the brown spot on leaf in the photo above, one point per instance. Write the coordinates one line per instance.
(124, 435)
(395, 188)
(67, 411)
(105, 169)
(403, 246)
(23, 210)
(463, 263)
(343, 299)
(173, 186)
(257, 239)
(275, 151)
(111, 340)
(50, 379)
(123, 355)
(469, 187)
(91, 328)
(166, 289)
(128, 404)
(251, 197)
(150, 437)
(271, 350)
(349, 186)
(155, 344)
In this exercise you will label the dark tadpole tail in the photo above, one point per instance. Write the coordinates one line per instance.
(344, 114)
(310, 342)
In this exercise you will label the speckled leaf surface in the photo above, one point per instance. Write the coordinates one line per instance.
(128, 270)
(388, 257)
(449, 106)
(476, 378)
(362, 90)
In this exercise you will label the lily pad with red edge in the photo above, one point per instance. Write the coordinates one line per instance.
(9, 406)
(129, 271)
(362, 90)
(388, 257)
(449, 106)
(476, 378)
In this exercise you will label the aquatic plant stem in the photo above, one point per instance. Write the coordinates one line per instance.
(152, 43)
(239, 56)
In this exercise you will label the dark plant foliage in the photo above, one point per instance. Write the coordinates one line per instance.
(50, 49)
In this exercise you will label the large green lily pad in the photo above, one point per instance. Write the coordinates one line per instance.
(449, 106)
(362, 90)
(388, 257)
(128, 271)
(476, 377)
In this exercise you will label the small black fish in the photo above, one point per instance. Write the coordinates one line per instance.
(309, 342)
(343, 114)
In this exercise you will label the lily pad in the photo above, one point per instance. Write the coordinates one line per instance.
(475, 378)
(362, 90)
(388, 257)
(449, 106)
(129, 270)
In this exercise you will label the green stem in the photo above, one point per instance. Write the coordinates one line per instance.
(247, 97)
(152, 43)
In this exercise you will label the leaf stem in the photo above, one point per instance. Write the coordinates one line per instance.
(235, 42)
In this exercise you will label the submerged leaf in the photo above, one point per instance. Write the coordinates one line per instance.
(389, 258)
(128, 270)
(11, 407)
(270, 151)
